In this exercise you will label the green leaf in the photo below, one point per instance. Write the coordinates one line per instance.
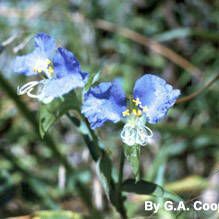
(91, 80)
(49, 113)
(104, 171)
(57, 215)
(132, 154)
(148, 188)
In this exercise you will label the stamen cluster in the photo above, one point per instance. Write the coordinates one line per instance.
(44, 66)
(135, 108)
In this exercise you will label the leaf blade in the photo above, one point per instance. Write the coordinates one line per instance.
(148, 188)
(132, 154)
(49, 113)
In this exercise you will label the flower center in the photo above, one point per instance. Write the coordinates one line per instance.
(135, 108)
(44, 66)
(135, 131)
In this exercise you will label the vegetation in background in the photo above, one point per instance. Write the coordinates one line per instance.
(177, 40)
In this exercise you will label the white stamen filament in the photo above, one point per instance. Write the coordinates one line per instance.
(143, 135)
(27, 88)
(128, 134)
(138, 134)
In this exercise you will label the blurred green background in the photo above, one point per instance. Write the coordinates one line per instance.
(178, 40)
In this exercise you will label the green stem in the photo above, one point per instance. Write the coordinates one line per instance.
(96, 151)
(89, 138)
(139, 167)
(121, 166)
(119, 187)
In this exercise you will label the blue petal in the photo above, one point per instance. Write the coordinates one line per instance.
(65, 63)
(45, 44)
(25, 64)
(53, 88)
(44, 49)
(103, 103)
(156, 95)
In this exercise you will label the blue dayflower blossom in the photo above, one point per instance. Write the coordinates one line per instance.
(60, 70)
(104, 103)
(152, 97)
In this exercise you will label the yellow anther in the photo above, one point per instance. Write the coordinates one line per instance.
(126, 113)
(137, 112)
(44, 66)
(136, 101)
(145, 109)
(48, 62)
(50, 69)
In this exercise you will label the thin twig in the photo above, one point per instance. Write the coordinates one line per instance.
(7, 42)
(22, 44)
(10, 39)
(196, 93)
(151, 44)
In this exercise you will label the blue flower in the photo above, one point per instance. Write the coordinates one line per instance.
(151, 100)
(103, 103)
(60, 70)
